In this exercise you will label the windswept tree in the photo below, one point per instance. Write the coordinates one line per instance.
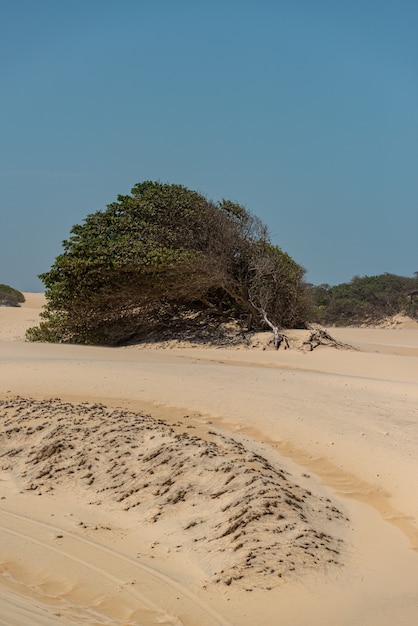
(158, 253)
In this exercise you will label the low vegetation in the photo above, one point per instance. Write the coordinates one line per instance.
(166, 253)
(365, 300)
(10, 296)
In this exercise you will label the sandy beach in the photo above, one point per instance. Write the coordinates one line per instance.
(199, 486)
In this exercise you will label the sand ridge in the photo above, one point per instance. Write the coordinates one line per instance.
(232, 504)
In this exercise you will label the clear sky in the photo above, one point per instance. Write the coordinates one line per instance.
(305, 112)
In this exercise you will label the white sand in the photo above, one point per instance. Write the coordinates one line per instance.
(262, 456)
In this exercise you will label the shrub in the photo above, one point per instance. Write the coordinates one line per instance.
(366, 299)
(10, 296)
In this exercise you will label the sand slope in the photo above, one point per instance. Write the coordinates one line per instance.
(208, 486)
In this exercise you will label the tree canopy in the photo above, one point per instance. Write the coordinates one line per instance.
(158, 253)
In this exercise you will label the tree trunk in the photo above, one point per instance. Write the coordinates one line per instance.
(278, 337)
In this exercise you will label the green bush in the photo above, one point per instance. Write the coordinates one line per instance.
(10, 296)
(366, 299)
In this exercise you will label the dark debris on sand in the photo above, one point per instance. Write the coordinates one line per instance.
(239, 509)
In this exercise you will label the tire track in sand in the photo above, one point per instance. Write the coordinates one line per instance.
(131, 573)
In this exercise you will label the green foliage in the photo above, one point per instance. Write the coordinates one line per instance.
(366, 299)
(164, 249)
(10, 296)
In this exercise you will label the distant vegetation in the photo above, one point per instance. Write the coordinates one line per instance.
(10, 296)
(366, 299)
(163, 256)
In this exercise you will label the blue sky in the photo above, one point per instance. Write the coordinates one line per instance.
(304, 112)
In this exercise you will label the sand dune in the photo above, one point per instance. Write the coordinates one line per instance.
(208, 486)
